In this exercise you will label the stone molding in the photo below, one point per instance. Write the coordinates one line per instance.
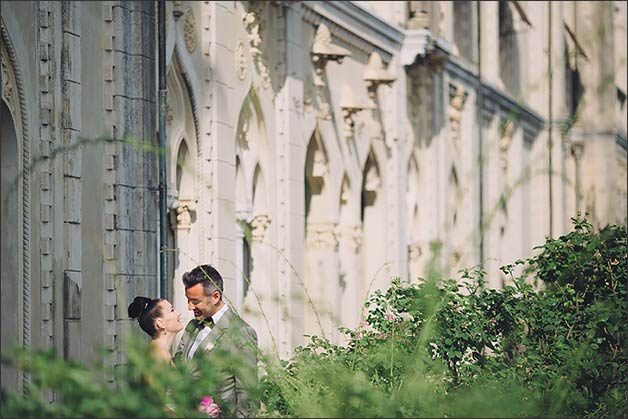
(190, 30)
(359, 28)
(11, 65)
(254, 24)
(241, 60)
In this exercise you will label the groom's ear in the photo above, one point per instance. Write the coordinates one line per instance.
(216, 296)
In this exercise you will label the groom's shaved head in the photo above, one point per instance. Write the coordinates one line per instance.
(207, 276)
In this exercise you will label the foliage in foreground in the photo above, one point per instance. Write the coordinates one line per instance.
(437, 348)
(442, 348)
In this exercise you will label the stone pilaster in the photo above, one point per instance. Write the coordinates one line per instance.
(46, 133)
(72, 214)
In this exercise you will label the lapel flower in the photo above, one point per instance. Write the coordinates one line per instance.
(209, 407)
(209, 346)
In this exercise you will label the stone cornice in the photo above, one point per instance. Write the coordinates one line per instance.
(355, 26)
(494, 99)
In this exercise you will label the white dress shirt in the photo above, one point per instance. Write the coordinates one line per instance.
(206, 330)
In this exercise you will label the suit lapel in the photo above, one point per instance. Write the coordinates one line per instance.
(216, 333)
(188, 338)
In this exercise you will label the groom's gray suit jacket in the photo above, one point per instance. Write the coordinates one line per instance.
(234, 339)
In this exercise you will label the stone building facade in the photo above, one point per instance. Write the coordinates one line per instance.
(315, 151)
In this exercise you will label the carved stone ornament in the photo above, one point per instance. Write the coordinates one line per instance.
(414, 251)
(169, 115)
(321, 236)
(319, 168)
(508, 129)
(350, 105)
(241, 60)
(189, 31)
(183, 209)
(323, 51)
(253, 25)
(9, 92)
(457, 99)
(372, 182)
(259, 226)
(375, 75)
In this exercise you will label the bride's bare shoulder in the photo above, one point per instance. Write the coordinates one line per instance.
(159, 353)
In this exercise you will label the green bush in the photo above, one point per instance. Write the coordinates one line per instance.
(455, 348)
(550, 343)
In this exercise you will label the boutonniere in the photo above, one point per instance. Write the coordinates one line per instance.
(209, 346)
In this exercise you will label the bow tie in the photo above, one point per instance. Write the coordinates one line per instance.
(208, 322)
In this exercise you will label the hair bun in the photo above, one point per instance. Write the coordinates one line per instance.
(138, 306)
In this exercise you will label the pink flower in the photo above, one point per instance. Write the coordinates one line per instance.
(389, 316)
(208, 406)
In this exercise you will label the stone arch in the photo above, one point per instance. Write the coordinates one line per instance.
(190, 81)
(251, 145)
(14, 136)
(317, 208)
(321, 241)
(253, 207)
(373, 216)
(183, 165)
(182, 129)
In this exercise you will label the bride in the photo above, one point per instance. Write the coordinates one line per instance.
(158, 318)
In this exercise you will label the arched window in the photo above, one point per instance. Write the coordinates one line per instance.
(9, 214)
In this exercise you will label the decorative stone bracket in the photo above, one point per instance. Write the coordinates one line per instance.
(457, 99)
(507, 131)
(375, 75)
(259, 225)
(323, 51)
(183, 209)
(350, 106)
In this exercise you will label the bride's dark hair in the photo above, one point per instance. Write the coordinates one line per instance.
(146, 310)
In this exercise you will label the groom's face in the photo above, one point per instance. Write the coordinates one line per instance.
(202, 305)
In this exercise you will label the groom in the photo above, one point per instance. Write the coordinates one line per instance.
(217, 329)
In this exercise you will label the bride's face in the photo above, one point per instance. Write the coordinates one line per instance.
(170, 318)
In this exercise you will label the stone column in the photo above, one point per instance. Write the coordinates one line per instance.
(350, 240)
(321, 280)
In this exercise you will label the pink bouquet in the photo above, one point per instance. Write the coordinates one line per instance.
(209, 407)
